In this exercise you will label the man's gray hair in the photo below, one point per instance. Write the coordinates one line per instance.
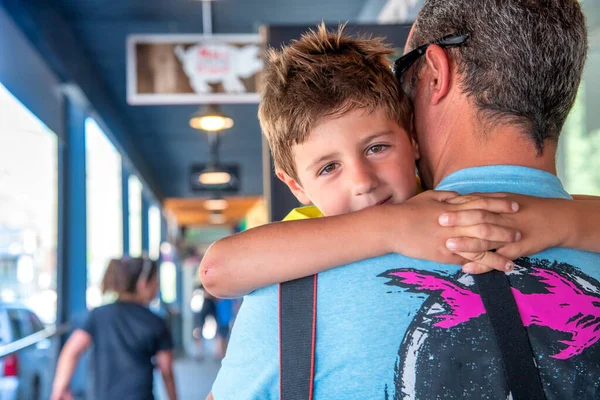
(523, 61)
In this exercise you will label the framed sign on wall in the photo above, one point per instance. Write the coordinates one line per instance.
(193, 69)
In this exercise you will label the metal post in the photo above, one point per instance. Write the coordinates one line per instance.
(125, 207)
(206, 17)
(72, 271)
(145, 224)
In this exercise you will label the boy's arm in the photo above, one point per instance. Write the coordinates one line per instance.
(67, 361)
(585, 197)
(544, 223)
(583, 231)
(580, 219)
(573, 223)
(279, 252)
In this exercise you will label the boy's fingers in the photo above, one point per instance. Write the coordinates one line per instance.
(512, 251)
(493, 204)
(466, 198)
(471, 245)
(490, 260)
(462, 199)
(490, 232)
(469, 217)
(475, 268)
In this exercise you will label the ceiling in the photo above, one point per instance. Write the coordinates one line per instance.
(161, 133)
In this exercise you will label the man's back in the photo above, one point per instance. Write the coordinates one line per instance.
(395, 327)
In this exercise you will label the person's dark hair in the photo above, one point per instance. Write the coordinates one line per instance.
(523, 61)
(122, 275)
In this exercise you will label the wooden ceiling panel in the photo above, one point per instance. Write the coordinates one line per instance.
(191, 212)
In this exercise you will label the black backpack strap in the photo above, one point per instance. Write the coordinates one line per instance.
(520, 370)
(297, 337)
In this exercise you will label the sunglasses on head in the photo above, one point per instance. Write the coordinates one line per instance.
(402, 64)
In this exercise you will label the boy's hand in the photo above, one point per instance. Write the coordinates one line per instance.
(471, 247)
(431, 209)
(538, 230)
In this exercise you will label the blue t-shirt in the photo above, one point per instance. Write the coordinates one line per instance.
(125, 337)
(394, 327)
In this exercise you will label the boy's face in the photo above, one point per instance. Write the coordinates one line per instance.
(355, 161)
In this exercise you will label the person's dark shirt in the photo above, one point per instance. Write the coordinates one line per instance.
(125, 337)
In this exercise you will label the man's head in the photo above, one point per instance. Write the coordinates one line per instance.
(520, 67)
(337, 123)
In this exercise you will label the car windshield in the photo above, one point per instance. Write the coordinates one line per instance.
(16, 324)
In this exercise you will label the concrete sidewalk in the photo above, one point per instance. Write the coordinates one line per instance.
(193, 379)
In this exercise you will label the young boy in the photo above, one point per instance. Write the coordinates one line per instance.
(339, 131)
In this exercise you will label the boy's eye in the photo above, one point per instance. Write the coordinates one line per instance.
(378, 148)
(328, 169)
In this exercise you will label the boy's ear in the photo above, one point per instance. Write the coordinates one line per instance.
(416, 148)
(296, 189)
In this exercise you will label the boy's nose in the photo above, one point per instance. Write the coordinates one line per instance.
(364, 181)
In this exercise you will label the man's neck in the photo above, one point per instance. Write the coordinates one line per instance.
(506, 145)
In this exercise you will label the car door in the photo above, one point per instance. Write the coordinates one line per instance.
(41, 355)
(4, 336)
(8, 384)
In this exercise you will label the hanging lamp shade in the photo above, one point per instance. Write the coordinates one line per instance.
(216, 204)
(210, 118)
(217, 218)
(214, 175)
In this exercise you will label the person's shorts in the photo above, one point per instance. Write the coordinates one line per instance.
(208, 308)
(223, 331)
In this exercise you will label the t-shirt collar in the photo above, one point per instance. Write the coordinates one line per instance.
(506, 178)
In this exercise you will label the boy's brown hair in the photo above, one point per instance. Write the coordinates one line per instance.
(324, 74)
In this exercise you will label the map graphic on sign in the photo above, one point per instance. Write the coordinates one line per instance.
(192, 69)
(211, 64)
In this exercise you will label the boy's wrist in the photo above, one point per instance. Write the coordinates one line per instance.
(570, 226)
(389, 226)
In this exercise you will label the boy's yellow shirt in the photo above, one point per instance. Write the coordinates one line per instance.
(310, 212)
(307, 212)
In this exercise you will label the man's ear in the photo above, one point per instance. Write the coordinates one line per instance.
(294, 187)
(440, 73)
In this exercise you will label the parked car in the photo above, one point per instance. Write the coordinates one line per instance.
(27, 374)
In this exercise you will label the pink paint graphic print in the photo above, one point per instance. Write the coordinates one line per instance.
(558, 304)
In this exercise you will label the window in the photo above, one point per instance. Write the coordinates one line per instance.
(28, 208)
(154, 232)
(104, 207)
(579, 155)
(168, 282)
(135, 216)
(17, 324)
(36, 324)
